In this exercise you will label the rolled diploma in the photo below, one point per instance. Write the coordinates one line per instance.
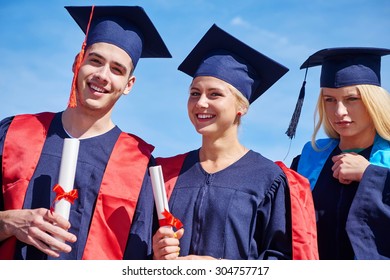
(67, 174)
(159, 193)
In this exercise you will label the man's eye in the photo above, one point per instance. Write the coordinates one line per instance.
(117, 71)
(94, 60)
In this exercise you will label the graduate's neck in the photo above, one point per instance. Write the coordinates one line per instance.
(80, 124)
(216, 155)
(357, 143)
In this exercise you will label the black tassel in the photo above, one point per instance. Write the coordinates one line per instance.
(297, 112)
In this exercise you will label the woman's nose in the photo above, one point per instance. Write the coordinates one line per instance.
(202, 102)
(341, 109)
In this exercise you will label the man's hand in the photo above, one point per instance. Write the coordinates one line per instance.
(39, 228)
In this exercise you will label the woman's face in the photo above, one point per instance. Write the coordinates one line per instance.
(347, 113)
(212, 107)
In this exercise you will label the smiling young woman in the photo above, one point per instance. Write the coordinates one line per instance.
(233, 202)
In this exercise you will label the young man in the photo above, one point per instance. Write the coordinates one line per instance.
(112, 165)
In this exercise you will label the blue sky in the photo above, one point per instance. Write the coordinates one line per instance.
(39, 41)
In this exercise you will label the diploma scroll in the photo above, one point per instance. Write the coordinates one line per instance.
(67, 174)
(159, 193)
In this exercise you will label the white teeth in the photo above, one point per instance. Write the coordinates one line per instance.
(97, 88)
(205, 116)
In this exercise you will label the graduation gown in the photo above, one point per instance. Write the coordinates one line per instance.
(239, 212)
(94, 154)
(353, 220)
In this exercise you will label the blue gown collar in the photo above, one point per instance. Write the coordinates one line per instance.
(311, 161)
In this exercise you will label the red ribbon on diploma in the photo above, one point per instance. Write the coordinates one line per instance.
(170, 220)
(61, 194)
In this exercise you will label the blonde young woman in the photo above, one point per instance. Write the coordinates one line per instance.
(349, 171)
(233, 202)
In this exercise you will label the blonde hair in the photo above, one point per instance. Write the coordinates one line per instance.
(241, 99)
(377, 102)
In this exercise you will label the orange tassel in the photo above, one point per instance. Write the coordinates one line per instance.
(73, 98)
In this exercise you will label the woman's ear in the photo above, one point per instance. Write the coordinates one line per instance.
(242, 111)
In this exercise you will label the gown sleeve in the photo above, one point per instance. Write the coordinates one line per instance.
(274, 223)
(4, 124)
(145, 222)
(368, 223)
(294, 164)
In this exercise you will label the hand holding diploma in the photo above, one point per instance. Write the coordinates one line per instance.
(47, 230)
(165, 241)
(160, 198)
(65, 194)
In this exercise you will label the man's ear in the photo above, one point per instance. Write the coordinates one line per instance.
(129, 85)
(74, 62)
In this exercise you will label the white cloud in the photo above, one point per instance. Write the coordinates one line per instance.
(238, 21)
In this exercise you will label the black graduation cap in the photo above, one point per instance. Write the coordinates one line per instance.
(348, 66)
(220, 55)
(127, 27)
(345, 66)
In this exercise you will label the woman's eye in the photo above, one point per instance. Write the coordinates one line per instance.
(329, 99)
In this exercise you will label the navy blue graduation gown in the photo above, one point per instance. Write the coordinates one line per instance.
(241, 212)
(353, 220)
(93, 156)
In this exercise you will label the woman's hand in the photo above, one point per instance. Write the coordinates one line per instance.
(349, 167)
(166, 245)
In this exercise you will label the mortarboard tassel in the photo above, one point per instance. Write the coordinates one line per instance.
(291, 130)
(72, 99)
